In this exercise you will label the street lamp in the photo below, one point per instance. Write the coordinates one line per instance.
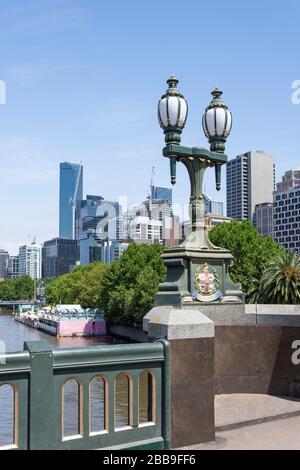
(196, 252)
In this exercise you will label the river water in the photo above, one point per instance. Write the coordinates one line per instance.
(13, 335)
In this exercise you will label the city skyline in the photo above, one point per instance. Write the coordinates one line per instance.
(107, 118)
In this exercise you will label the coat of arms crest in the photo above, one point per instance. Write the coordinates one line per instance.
(206, 284)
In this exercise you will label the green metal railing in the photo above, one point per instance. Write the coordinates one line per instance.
(37, 377)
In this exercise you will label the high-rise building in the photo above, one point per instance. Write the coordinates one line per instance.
(13, 267)
(145, 230)
(90, 247)
(286, 214)
(98, 222)
(30, 261)
(95, 213)
(290, 180)
(263, 218)
(4, 256)
(70, 196)
(112, 251)
(59, 256)
(250, 181)
(161, 192)
(213, 207)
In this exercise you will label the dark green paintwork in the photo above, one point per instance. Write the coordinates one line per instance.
(40, 372)
(182, 261)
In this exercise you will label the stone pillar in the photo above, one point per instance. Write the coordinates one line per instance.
(191, 337)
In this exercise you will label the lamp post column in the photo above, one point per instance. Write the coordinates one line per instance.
(196, 168)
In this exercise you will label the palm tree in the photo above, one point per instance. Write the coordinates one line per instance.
(280, 282)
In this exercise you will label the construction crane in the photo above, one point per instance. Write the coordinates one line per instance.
(150, 192)
(73, 199)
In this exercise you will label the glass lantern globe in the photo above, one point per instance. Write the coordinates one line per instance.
(217, 122)
(172, 112)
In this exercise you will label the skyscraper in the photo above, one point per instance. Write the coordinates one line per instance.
(30, 261)
(70, 196)
(250, 181)
(290, 180)
(3, 263)
(263, 218)
(59, 256)
(96, 215)
(213, 207)
(286, 212)
(13, 267)
(161, 192)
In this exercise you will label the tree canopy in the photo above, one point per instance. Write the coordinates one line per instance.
(21, 288)
(82, 286)
(251, 251)
(280, 281)
(129, 285)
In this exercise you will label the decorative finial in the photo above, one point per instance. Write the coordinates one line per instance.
(172, 81)
(217, 93)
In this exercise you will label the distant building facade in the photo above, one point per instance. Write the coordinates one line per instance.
(145, 230)
(59, 256)
(212, 220)
(4, 256)
(98, 223)
(263, 219)
(213, 207)
(13, 267)
(112, 251)
(286, 212)
(250, 181)
(95, 214)
(30, 261)
(161, 192)
(70, 195)
(290, 180)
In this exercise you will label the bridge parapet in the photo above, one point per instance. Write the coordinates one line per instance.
(120, 396)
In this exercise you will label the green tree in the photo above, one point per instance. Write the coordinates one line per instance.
(24, 288)
(251, 251)
(129, 285)
(280, 281)
(82, 286)
(8, 290)
(21, 288)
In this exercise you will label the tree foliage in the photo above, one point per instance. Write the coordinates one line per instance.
(82, 286)
(129, 285)
(280, 281)
(21, 288)
(251, 251)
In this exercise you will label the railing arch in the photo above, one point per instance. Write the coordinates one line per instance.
(125, 421)
(79, 401)
(15, 414)
(147, 410)
(105, 406)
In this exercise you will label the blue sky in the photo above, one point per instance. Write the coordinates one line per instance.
(83, 79)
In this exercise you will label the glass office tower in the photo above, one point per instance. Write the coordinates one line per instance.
(162, 193)
(59, 256)
(70, 196)
(3, 263)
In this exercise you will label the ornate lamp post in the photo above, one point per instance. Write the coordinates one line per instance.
(197, 270)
